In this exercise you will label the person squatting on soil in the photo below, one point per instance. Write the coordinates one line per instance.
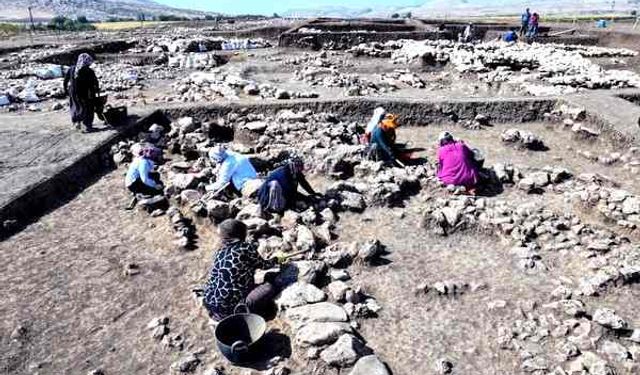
(81, 84)
(235, 169)
(456, 163)
(383, 141)
(378, 115)
(510, 36)
(231, 279)
(141, 178)
(280, 188)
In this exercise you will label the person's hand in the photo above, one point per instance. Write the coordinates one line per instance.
(281, 258)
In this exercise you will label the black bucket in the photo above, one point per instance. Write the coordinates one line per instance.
(237, 335)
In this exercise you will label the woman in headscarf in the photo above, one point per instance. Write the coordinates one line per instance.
(81, 84)
(378, 115)
(141, 178)
(456, 163)
(280, 188)
(231, 279)
(383, 140)
(235, 169)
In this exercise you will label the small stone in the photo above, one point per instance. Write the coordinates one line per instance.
(156, 322)
(338, 290)
(339, 275)
(19, 332)
(443, 366)
(159, 332)
(370, 365)
(188, 363)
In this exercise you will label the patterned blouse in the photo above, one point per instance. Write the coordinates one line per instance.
(232, 277)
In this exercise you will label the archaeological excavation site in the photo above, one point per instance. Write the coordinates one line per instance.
(385, 267)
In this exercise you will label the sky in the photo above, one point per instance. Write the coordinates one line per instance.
(269, 7)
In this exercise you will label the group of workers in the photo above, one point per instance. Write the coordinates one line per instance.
(231, 279)
(529, 25)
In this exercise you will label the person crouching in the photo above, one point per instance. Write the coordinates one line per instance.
(231, 279)
(141, 177)
(456, 163)
(235, 169)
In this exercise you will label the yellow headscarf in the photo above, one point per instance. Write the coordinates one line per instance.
(390, 122)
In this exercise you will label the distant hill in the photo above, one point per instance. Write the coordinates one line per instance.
(16, 10)
(440, 8)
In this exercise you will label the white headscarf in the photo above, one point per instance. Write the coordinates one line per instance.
(378, 113)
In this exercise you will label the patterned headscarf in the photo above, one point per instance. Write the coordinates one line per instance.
(83, 60)
(150, 152)
(390, 122)
(296, 165)
(218, 153)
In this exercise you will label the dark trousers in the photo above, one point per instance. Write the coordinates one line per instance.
(138, 187)
(260, 299)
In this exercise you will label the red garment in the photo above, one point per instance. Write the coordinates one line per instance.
(456, 165)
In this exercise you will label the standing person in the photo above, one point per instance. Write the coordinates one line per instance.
(456, 163)
(81, 84)
(235, 169)
(231, 279)
(141, 178)
(524, 22)
(533, 26)
(383, 140)
(280, 188)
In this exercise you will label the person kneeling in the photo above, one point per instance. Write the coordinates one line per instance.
(141, 178)
(235, 169)
(383, 141)
(280, 188)
(456, 163)
(231, 279)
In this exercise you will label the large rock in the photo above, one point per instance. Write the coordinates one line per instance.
(299, 294)
(308, 271)
(344, 352)
(182, 181)
(592, 364)
(609, 319)
(631, 206)
(352, 201)
(305, 240)
(370, 365)
(317, 334)
(218, 210)
(318, 312)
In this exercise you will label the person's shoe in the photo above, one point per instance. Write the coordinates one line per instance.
(77, 125)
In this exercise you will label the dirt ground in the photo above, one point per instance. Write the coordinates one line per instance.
(64, 281)
(69, 290)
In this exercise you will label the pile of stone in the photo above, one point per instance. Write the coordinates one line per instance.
(353, 84)
(522, 139)
(567, 66)
(563, 337)
(186, 43)
(206, 86)
(402, 77)
(198, 61)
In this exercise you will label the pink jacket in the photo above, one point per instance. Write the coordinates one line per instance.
(456, 166)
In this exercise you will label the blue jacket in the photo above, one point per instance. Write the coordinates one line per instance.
(237, 169)
(510, 36)
(525, 18)
(139, 169)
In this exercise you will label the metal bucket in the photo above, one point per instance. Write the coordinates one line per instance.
(237, 334)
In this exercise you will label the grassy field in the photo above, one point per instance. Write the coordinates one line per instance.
(9, 29)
